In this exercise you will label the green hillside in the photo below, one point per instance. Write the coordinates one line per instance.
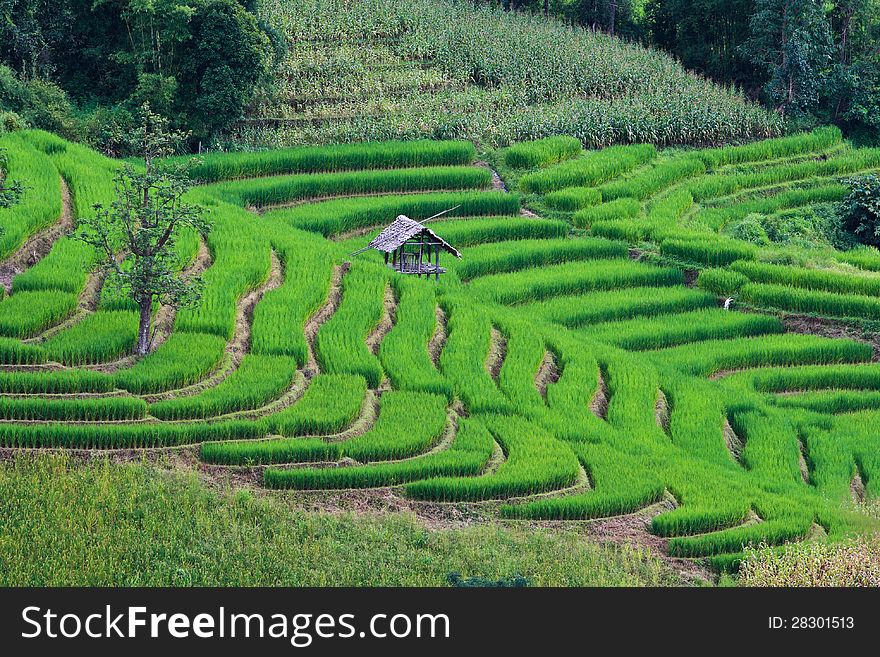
(360, 70)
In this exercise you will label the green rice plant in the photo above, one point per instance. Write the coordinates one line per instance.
(772, 448)
(40, 203)
(257, 381)
(331, 218)
(464, 358)
(833, 463)
(767, 204)
(810, 279)
(101, 409)
(630, 230)
(90, 179)
(595, 504)
(622, 208)
(468, 454)
(809, 142)
(26, 314)
(572, 278)
(711, 356)
(329, 404)
(658, 177)
(613, 305)
(832, 401)
(524, 254)
(123, 436)
(279, 318)
(796, 299)
(263, 192)
(668, 330)
(723, 184)
(668, 210)
(542, 152)
(340, 344)
(63, 382)
(865, 257)
(593, 168)
(13, 352)
(65, 269)
(772, 532)
(240, 263)
(696, 424)
(97, 338)
(573, 198)
(409, 423)
(632, 392)
(568, 398)
(712, 252)
(523, 357)
(688, 520)
(182, 360)
(864, 376)
(723, 282)
(272, 450)
(535, 462)
(498, 229)
(404, 351)
(227, 166)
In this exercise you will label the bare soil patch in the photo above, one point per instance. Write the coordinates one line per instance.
(599, 402)
(661, 411)
(438, 340)
(830, 328)
(497, 353)
(734, 443)
(547, 374)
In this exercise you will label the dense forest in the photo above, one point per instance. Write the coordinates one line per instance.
(813, 60)
(82, 67)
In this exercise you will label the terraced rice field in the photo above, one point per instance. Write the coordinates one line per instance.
(555, 373)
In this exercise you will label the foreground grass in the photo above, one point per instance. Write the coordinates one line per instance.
(63, 523)
(854, 562)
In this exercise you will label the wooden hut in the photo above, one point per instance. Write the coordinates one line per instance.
(411, 248)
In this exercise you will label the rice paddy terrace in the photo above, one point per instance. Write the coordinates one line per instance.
(567, 368)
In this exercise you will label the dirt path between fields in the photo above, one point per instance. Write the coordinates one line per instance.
(548, 373)
(497, 353)
(324, 313)
(438, 340)
(599, 402)
(38, 246)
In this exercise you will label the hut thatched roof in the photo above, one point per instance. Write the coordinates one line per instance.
(403, 229)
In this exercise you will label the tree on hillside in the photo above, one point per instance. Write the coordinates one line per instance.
(706, 36)
(791, 40)
(143, 222)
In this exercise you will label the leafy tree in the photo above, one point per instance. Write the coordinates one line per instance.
(791, 40)
(706, 35)
(216, 77)
(861, 209)
(146, 216)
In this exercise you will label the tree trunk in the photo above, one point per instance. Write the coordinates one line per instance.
(143, 344)
(612, 16)
(546, 8)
